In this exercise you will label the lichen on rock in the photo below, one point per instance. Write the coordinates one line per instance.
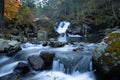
(107, 54)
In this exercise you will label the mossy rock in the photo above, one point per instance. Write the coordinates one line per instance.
(107, 54)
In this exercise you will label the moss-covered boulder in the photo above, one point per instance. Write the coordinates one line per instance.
(107, 55)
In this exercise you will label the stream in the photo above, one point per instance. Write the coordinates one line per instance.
(67, 65)
(73, 61)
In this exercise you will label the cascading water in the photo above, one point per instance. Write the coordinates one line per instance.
(57, 66)
(59, 70)
(84, 64)
(61, 29)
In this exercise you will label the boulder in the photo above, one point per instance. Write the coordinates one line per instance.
(106, 57)
(22, 68)
(47, 57)
(8, 45)
(36, 62)
(11, 51)
(57, 44)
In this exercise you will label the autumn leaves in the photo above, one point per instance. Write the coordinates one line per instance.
(11, 8)
(14, 11)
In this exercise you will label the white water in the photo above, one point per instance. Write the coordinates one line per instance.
(62, 27)
(71, 35)
(3, 59)
(62, 38)
(58, 71)
(57, 66)
(56, 75)
(7, 69)
(30, 46)
(83, 65)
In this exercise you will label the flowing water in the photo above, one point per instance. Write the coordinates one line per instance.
(81, 69)
(67, 64)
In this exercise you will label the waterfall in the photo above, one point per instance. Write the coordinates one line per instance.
(57, 66)
(80, 66)
(84, 65)
(62, 27)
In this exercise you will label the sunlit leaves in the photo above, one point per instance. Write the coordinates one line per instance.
(11, 8)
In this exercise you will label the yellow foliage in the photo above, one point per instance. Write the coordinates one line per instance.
(11, 8)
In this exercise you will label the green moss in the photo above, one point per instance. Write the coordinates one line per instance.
(113, 40)
(113, 48)
(112, 37)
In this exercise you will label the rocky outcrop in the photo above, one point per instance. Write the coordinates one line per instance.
(22, 68)
(9, 46)
(47, 57)
(36, 62)
(107, 55)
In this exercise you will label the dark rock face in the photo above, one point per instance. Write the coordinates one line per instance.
(36, 62)
(47, 57)
(22, 68)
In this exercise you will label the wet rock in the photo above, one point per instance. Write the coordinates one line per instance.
(57, 44)
(48, 58)
(11, 51)
(45, 43)
(106, 57)
(11, 76)
(6, 44)
(36, 62)
(22, 68)
(78, 49)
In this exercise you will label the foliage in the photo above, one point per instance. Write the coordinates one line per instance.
(11, 8)
(24, 16)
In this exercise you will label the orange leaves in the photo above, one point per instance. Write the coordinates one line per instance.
(11, 8)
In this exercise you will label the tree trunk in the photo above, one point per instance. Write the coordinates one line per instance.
(1, 15)
(113, 11)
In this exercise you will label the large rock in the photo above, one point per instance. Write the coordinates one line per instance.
(11, 51)
(107, 55)
(36, 62)
(22, 68)
(47, 57)
(8, 45)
